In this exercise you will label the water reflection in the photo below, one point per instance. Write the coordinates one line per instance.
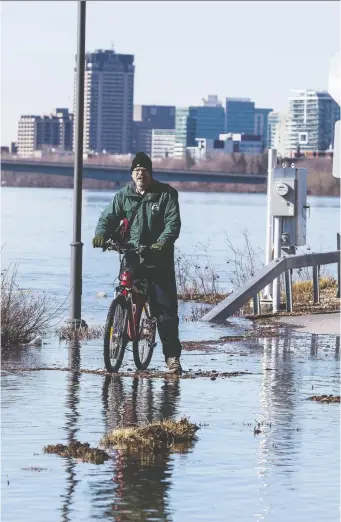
(71, 428)
(337, 347)
(280, 432)
(139, 486)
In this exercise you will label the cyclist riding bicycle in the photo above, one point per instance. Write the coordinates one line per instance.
(149, 214)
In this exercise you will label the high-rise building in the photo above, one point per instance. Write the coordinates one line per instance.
(65, 129)
(210, 118)
(108, 102)
(206, 121)
(185, 127)
(261, 127)
(147, 118)
(163, 141)
(28, 134)
(54, 131)
(311, 119)
(273, 119)
(240, 116)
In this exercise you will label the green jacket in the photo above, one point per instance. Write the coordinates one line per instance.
(157, 219)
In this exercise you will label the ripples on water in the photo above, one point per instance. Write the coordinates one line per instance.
(289, 471)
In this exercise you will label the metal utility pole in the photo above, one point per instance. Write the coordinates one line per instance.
(272, 162)
(77, 245)
(276, 285)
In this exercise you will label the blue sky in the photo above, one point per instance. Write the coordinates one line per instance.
(183, 50)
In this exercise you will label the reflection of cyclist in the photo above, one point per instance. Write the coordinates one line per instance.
(141, 487)
(152, 210)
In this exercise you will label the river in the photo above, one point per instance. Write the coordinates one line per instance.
(290, 470)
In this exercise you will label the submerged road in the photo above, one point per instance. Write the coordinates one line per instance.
(315, 323)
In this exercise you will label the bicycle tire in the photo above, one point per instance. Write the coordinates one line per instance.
(142, 363)
(113, 364)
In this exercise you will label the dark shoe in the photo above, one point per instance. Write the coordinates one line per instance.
(174, 365)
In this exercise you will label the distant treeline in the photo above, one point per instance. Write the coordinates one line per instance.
(320, 179)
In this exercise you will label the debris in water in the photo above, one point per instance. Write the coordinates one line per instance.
(79, 450)
(325, 398)
(34, 468)
(157, 436)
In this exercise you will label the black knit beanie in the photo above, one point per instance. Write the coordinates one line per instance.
(142, 160)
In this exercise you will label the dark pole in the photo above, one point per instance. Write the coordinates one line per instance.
(77, 245)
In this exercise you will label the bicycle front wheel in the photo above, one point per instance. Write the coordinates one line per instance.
(115, 334)
(143, 347)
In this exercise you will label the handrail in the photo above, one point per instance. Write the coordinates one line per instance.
(258, 282)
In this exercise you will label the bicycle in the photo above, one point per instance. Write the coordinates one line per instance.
(129, 317)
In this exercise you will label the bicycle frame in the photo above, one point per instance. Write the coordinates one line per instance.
(136, 303)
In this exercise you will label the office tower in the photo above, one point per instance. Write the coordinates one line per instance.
(311, 119)
(108, 102)
(146, 119)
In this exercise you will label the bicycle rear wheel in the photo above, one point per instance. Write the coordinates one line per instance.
(115, 334)
(144, 346)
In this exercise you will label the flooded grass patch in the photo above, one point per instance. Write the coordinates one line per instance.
(154, 437)
(84, 333)
(78, 450)
(325, 398)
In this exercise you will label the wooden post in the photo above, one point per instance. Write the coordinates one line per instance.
(316, 284)
(288, 290)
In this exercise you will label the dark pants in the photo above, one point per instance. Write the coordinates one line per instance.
(163, 299)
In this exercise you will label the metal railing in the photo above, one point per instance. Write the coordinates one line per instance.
(273, 270)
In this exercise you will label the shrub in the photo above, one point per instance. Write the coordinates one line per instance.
(24, 313)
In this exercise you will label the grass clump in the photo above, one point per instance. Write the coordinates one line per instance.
(154, 437)
(325, 398)
(78, 450)
(83, 333)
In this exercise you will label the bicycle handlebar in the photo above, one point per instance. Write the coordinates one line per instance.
(125, 247)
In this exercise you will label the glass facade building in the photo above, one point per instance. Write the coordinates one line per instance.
(311, 120)
(240, 115)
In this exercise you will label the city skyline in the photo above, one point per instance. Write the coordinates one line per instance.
(227, 64)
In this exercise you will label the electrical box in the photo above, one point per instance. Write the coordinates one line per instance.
(289, 201)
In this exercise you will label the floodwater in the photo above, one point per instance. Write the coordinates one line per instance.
(288, 471)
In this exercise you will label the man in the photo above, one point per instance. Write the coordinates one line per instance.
(152, 209)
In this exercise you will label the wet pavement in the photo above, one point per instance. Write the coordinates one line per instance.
(264, 451)
(328, 323)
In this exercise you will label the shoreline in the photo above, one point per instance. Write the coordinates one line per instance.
(34, 180)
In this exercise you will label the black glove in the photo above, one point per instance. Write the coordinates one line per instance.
(98, 242)
(157, 247)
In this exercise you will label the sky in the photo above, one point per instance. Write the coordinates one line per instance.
(183, 51)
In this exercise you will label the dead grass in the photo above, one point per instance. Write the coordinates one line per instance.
(78, 450)
(25, 313)
(84, 333)
(302, 291)
(325, 398)
(197, 279)
(197, 312)
(154, 437)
